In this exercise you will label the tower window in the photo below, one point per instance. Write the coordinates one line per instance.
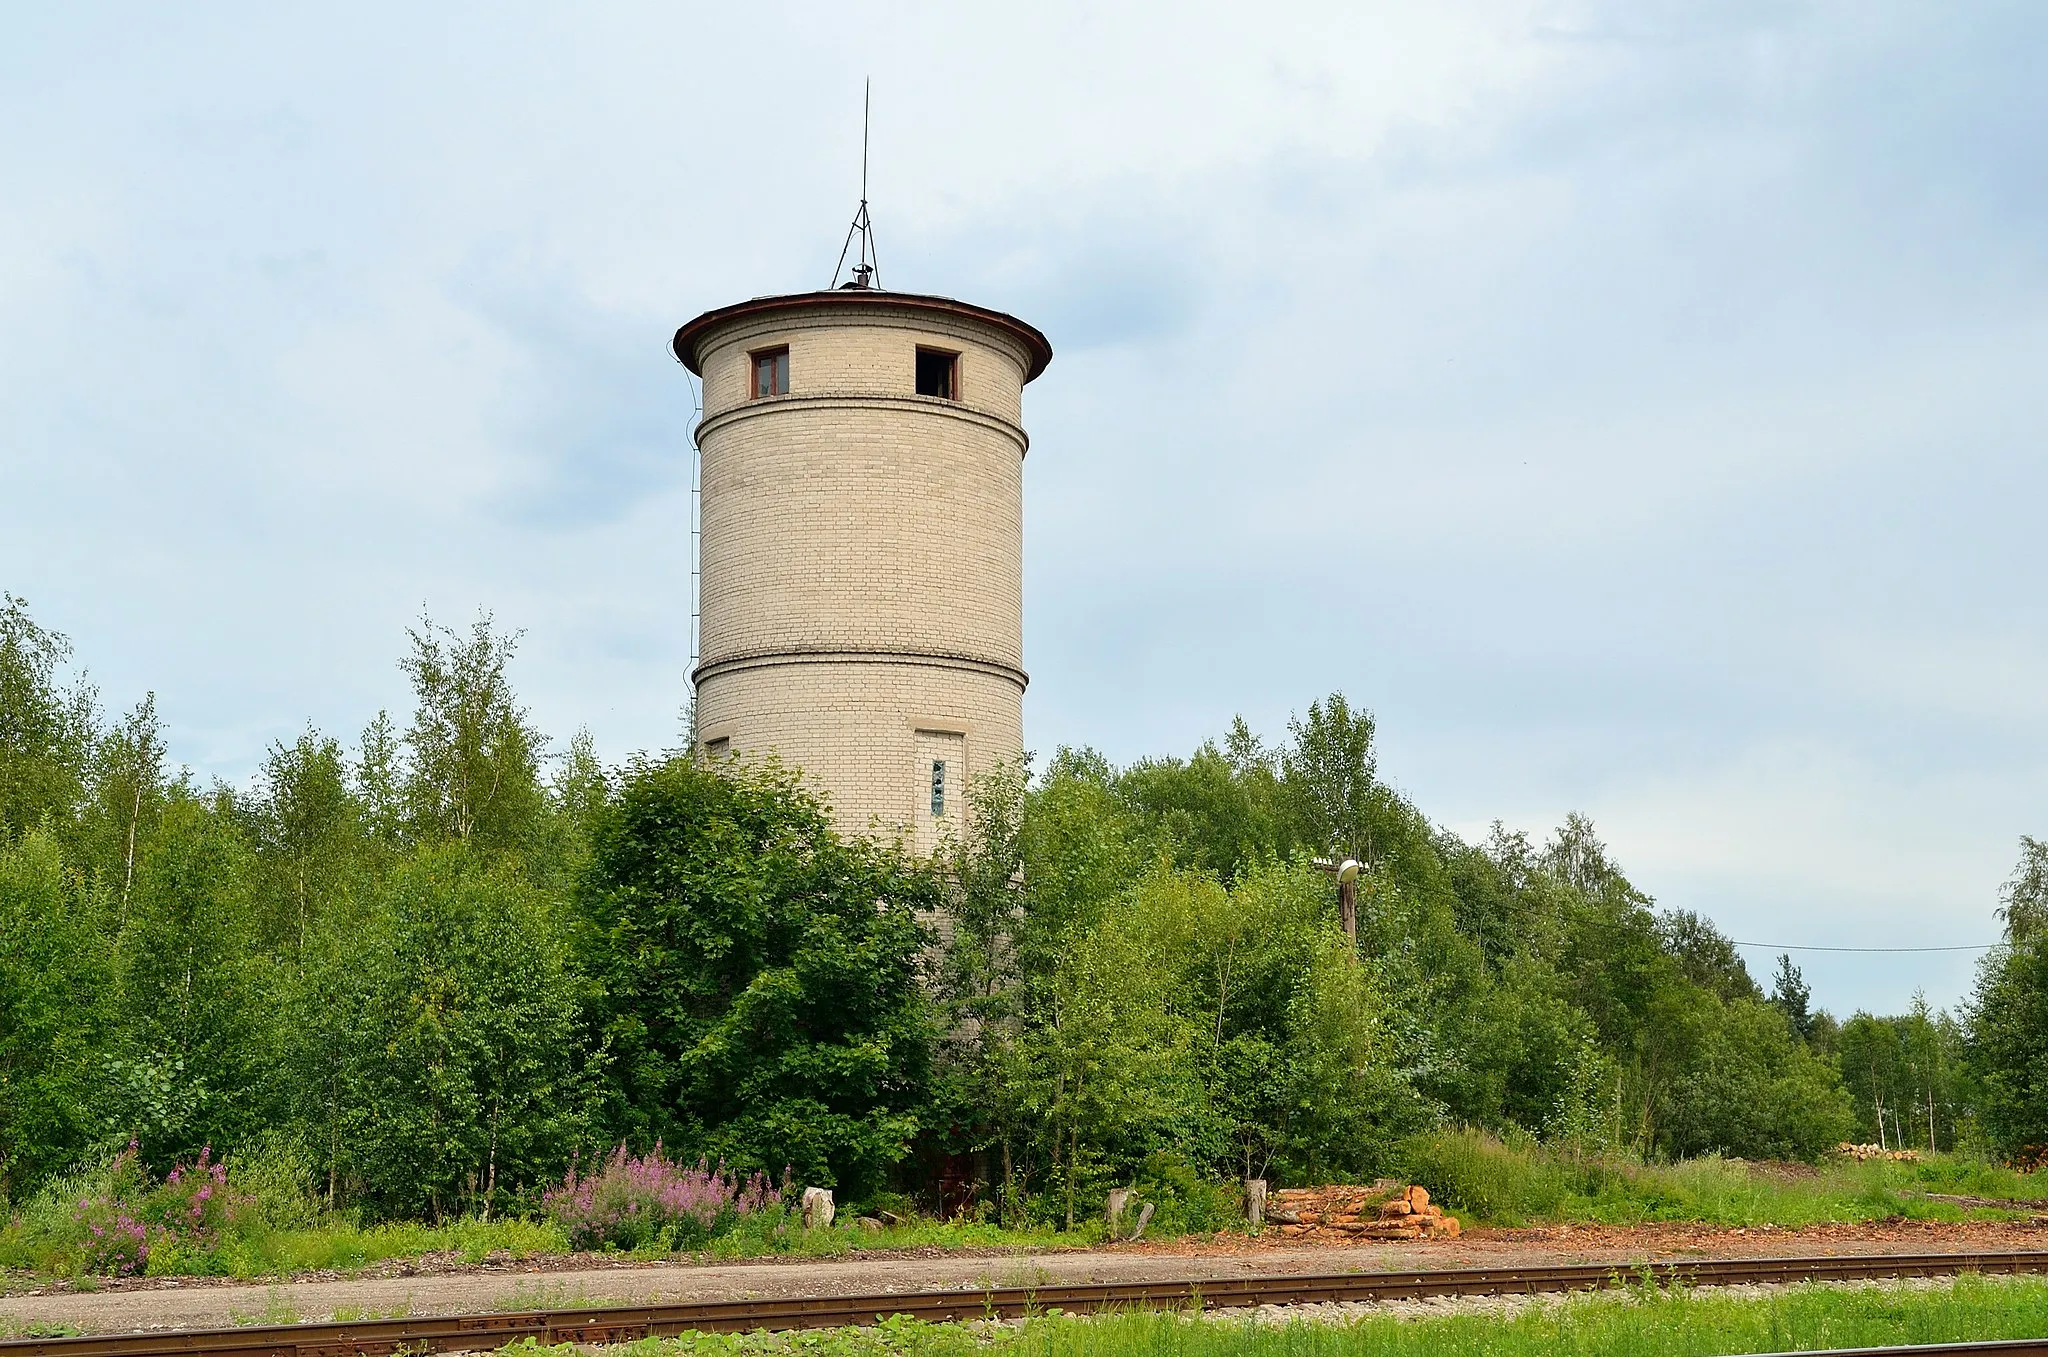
(938, 374)
(771, 373)
(938, 788)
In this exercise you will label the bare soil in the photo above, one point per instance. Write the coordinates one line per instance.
(445, 1285)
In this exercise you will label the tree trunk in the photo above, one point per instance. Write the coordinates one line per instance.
(1009, 1183)
(134, 816)
(1073, 1145)
(491, 1166)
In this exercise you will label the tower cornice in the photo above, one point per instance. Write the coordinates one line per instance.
(689, 340)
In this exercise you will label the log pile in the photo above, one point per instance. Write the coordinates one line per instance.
(1385, 1210)
(2029, 1159)
(1864, 1154)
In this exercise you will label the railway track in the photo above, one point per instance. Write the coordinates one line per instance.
(617, 1324)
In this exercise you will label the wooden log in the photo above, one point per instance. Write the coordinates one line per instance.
(1418, 1196)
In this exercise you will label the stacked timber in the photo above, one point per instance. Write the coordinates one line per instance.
(1864, 1154)
(1384, 1210)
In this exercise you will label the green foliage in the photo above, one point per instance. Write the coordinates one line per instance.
(308, 831)
(441, 1052)
(1749, 1087)
(2023, 900)
(755, 976)
(193, 992)
(1906, 1077)
(474, 769)
(416, 978)
(2008, 1050)
(54, 979)
(1518, 1182)
(46, 731)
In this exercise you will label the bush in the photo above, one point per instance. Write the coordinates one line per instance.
(276, 1175)
(634, 1202)
(1187, 1202)
(112, 1243)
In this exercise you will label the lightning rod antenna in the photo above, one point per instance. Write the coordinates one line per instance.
(867, 267)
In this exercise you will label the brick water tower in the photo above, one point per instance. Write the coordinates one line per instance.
(862, 550)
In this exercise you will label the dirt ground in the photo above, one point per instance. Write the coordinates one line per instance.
(446, 1286)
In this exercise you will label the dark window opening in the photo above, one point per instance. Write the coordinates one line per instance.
(771, 373)
(719, 747)
(938, 374)
(938, 788)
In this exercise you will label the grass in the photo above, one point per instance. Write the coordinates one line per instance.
(1482, 1179)
(1488, 1182)
(28, 1246)
(1634, 1323)
(767, 1236)
(34, 1246)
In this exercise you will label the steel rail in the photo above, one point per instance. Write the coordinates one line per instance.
(615, 1324)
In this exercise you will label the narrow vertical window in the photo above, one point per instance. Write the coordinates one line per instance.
(938, 788)
(771, 373)
(938, 374)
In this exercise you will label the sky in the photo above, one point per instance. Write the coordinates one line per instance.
(1637, 406)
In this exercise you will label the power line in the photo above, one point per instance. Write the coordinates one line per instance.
(1795, 947)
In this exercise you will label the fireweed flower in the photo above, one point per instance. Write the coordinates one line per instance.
(633, 1200)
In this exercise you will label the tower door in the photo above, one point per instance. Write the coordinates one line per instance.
(940, 787)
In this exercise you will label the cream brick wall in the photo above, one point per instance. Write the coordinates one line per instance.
(862, 557)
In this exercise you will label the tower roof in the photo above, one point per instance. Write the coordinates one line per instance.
(691, 335)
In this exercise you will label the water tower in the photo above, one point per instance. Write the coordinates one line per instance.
(862, 550)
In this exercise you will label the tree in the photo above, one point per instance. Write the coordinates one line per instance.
(1751, 1089)
(1705, 955)
(194, 989)
(984, 898)
(1082, 848)
(2023, 899)
(54, 984)
(1107, 1057)
(757, 977)
(1330, 774)
(309, 836)
(1220, 809)
(1790, 996)
(2009, 1013)
(46, 731)
(441, 1056)
(474, 756)
(128, 795)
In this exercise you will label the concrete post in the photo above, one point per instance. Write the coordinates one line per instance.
(1113, 1214)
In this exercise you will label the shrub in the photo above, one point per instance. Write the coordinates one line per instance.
(195, 1205)
(1188, 1202)
(632, 1202)
(113, 1243)
(117, 1223)
(276, 1174)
